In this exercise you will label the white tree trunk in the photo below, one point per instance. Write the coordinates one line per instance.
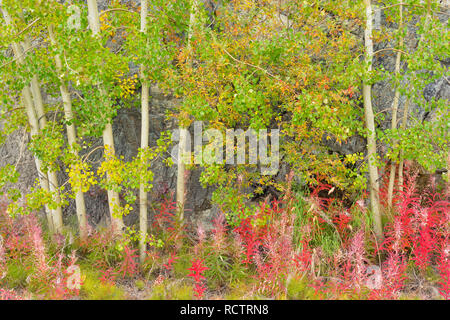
(108, 138)
(401, 157)
(71, 134)
(32, 120)
(113, 196)
(34, 130)
(395, 109)
(42, 120)
(143, 197)
(370, 125)
(52, 177)
(181, 173)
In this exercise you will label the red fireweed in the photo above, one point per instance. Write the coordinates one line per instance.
(197, 270)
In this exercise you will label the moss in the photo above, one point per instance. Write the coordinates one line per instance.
(158, 292)
(409, 297)
(93, 289)
(140, 285)
(241, 290)
(172, 291)
(183, 292)
(298, 289)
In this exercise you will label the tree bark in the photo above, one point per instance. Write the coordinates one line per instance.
(181, 173)
(395, 109)
(143, 197)
(370, 125)
(108, 138)
(42, 120)
(401, 157)
(33, 122)
(34, 130)
(71, 134)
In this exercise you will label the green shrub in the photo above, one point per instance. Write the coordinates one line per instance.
(16, 275)
(181, 265)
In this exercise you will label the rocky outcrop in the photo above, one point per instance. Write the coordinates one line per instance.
(127, 138)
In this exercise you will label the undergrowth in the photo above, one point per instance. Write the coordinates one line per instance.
(296, 247)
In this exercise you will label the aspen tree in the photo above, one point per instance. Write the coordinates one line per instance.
(370, 125)
(143, 223)
(33, 121)
(42, 121)
(71, 132)
(108, 138)
(27, 101)
(52, 177)
(395, 105)
(181, 173)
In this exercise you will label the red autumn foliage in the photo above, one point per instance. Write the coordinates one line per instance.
(197, 270)
(170, 261)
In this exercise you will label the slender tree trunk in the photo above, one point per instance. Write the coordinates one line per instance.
(108, 138)
(406, 110)
(401, 157)
(395, 109)
(181, 173)
(57, 213)
(71, 134)
(52, 177)
(42, 120)
(143, 197)
(33, 121)
(27, 100)
(370, 124)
